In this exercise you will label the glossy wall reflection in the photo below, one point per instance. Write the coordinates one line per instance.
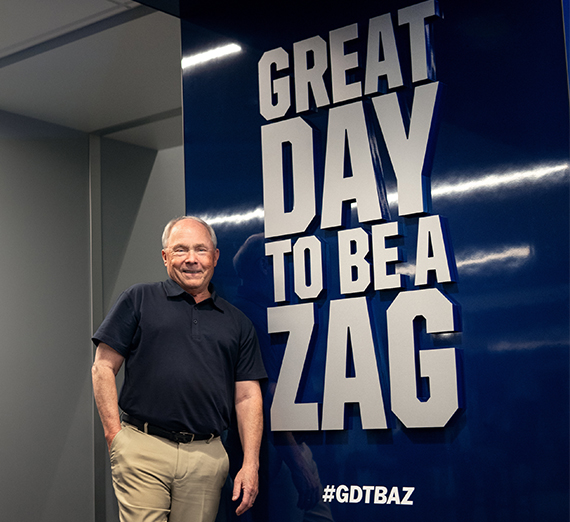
(417, 348)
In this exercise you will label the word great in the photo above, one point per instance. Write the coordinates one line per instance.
(275, 91)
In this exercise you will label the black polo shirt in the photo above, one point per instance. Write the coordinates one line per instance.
(182, 358)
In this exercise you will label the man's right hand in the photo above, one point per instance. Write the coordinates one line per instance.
(110, 438)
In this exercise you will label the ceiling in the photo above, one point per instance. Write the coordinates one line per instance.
(108, 67)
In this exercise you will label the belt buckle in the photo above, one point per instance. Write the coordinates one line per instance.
(182, 437)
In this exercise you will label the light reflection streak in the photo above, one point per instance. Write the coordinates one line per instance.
(508, 257)
(511, 256)
(552, 173)
(507, 346)
(219, 52)
(236, 218)
(493, 181)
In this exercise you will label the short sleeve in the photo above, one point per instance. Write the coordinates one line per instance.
(119, 328)
(250, 364)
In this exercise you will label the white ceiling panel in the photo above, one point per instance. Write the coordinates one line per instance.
(159, 135)
(24, 23)
(121, 76)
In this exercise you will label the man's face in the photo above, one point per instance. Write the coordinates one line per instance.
(190, 257)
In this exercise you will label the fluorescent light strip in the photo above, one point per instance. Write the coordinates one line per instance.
(219, 52)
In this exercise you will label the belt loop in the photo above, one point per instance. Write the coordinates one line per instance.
(145, 428)
(212, 436)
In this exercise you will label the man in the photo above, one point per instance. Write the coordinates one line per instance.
(190, 357)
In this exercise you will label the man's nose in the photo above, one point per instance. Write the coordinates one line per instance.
(190, 256)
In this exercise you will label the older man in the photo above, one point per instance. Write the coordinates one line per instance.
(190, 358)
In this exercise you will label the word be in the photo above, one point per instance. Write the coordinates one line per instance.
(368, 494)
(433, 254)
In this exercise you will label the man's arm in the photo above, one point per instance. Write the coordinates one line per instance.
(105, 368)
(249, 410)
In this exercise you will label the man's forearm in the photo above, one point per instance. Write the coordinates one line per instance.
(105, 367)
(250, 424)
(249, 411)
(105, 392)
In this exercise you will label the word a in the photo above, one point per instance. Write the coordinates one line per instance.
(433, 254)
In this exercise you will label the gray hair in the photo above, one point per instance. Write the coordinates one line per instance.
(172, 222)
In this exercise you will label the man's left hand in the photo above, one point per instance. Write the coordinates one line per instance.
(246, 485)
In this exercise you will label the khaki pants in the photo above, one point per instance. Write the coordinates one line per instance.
(157, 480)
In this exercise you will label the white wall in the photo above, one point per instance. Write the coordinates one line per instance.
(141, 190)
(46, 434)
(50, 468)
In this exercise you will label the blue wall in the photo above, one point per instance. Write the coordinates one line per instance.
(498, 161)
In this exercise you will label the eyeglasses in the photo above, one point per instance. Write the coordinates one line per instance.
(183, 251)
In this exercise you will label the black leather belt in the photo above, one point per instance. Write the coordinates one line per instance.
(175, 436)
